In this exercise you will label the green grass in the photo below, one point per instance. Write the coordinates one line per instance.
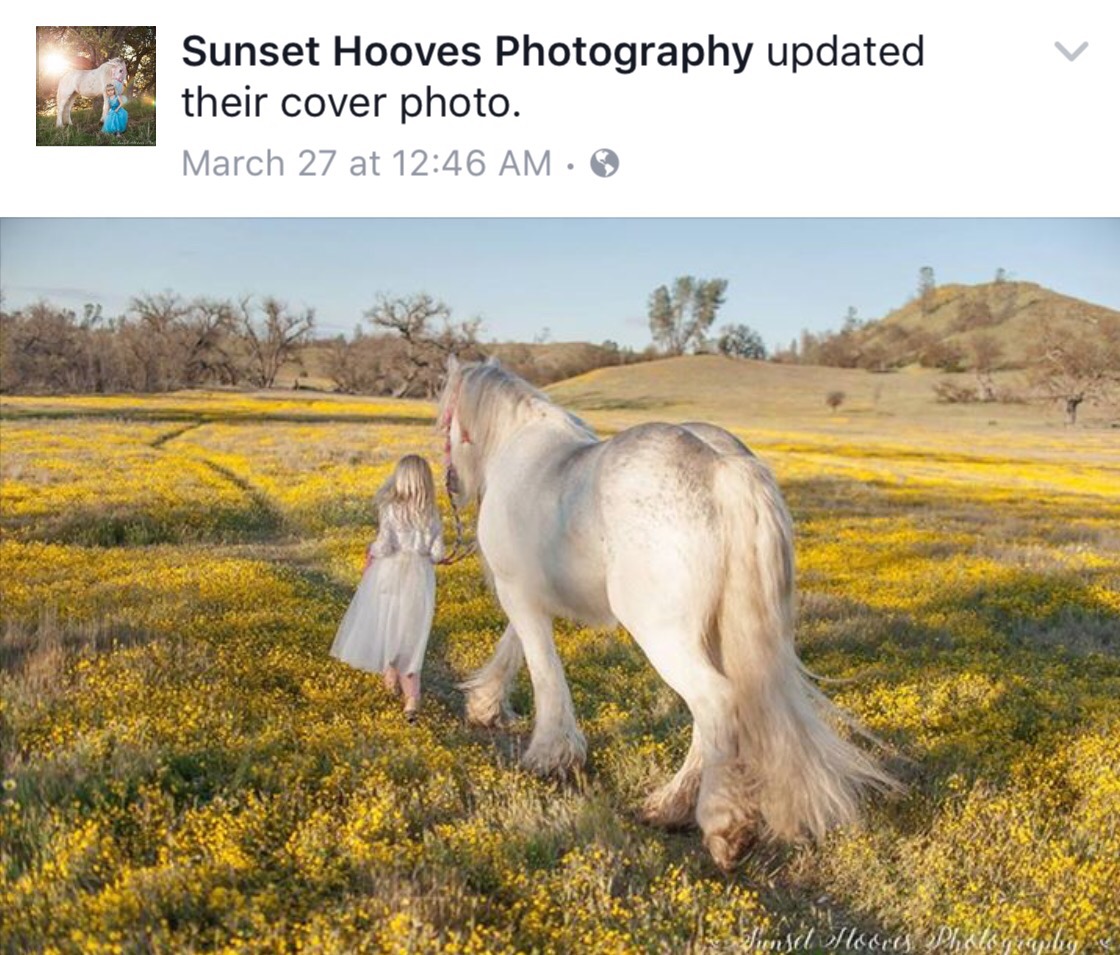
(86, 128)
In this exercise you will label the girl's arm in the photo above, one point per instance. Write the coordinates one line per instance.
(382, 547)
(385, 544)
(436, 549)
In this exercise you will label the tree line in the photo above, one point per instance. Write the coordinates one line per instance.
(1067, 363)
(161, 343)
(166, 343)
(681, 318)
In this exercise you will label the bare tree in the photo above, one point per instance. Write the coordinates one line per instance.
(208, 340)
(950, 393)
(48, 349)
(42, 350)
(11, 377)
(272, 338)
(941, 353)
(986, 355)
(424, 325)
(1073, 365)
(154, 340)
(363, 364)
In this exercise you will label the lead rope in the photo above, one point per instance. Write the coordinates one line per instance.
(459, 551)
(450, 481)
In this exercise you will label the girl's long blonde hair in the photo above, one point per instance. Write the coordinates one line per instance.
(411, 489)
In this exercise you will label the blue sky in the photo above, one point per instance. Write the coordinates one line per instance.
(581, 279)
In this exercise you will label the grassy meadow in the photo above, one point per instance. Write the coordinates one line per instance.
(86, 128)
(185, 769)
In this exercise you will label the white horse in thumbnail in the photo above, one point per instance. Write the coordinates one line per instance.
(680, 534)
(88, 83)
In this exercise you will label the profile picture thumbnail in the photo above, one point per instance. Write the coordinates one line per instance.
(95, 86)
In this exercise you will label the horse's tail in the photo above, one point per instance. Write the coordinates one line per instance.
(808, 777)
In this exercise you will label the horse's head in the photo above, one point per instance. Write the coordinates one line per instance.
(120, 70)
(482, 406)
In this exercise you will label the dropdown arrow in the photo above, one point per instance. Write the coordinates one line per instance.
(1075, 54)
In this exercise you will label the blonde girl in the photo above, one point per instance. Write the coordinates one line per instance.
(387, 625)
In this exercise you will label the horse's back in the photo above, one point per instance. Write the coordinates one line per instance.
(668, 464)
(612, 529)
(662, 522)
(717, 438)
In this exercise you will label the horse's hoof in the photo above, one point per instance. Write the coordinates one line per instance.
(481, 710)
(671, 815)
(673, 806)
(562, 770)
(488, 720)
(728, 849)
(489, 716)
(562, 759)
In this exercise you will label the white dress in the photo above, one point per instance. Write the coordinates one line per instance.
(390, 617)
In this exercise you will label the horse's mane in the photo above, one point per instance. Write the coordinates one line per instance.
(492, 403)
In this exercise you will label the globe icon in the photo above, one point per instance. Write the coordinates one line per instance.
(604, 163)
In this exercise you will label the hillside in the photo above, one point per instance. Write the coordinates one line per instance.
(742, 393)
(955, 315)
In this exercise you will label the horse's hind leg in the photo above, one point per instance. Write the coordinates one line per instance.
(726, 802)
(673, 806)
(488, 689)
(557, 745)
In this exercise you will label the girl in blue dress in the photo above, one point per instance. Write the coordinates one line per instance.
(116, 120)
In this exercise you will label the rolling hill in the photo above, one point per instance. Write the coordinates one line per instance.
(954, 316)
(743, 393)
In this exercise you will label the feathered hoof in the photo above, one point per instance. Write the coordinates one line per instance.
(489, 715)
(486, 709)
(561, 757)
(729, 818)
(672, 808)
(727, 849)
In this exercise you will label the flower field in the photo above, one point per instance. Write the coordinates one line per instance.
(185, 769)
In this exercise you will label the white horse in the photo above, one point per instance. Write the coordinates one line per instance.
(679, 533)
(88, 83)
